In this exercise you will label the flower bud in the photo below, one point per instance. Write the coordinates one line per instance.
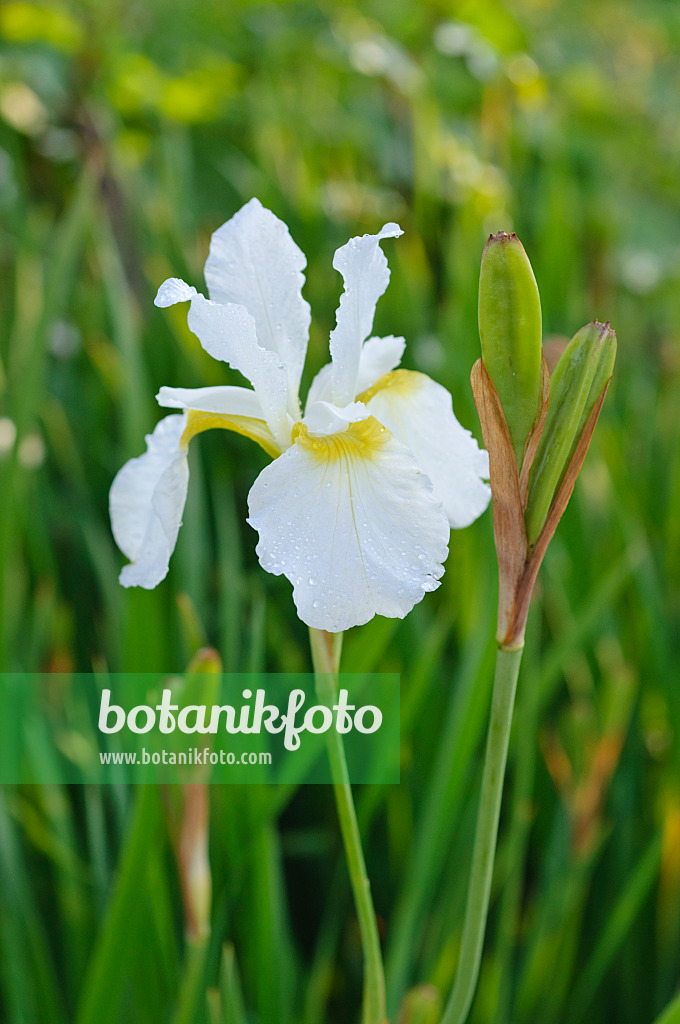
(576, 385)
(510, 331)
(422, 1005)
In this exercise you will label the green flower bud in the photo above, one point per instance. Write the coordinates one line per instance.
(422, 1005)
(510, 331)
(576, 384)
(603, 373)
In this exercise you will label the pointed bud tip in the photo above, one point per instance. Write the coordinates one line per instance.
(603, 328)
(501, 237)
(207, 660)
(606, 335)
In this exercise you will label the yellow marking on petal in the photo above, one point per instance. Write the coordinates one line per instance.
(363, 440)
(248, 426)
(405, 382)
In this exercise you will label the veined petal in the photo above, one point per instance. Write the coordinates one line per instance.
(227, 332)
(255, 263)
(378, 356)
(420, 413)
(226, 408)
(352, 522)
(146, 503)
(364, 269)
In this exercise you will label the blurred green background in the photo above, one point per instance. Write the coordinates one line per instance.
(128, 133)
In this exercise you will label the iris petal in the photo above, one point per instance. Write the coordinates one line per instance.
(255, 263)
(227, 332)
(146, 504)
(364, 269)
(352, 522)
(420, 413)
(378, 356)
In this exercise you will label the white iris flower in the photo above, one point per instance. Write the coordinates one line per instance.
(357, 505)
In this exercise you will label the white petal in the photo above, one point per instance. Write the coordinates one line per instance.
(174, 290)
(227, 407)
(420, 413)
(323, 419)
(320, 390)
(353, 523)
(255, 263)
(225, 400)
(146, 503)
(227, 332)
(363, 266)
(378, 356)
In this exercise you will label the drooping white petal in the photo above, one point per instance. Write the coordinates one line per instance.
(323, 419)
(146, 503)
(364, 269)
(255, 263)
(225, 400)
(378, 356)
(420, 413)
(352, 522)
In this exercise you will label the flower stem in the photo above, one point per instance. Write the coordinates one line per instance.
(326, 658)
(481, 871)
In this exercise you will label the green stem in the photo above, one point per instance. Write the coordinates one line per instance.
(481, 872)
(326, 658)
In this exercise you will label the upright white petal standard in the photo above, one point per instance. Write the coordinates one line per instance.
(364, 269)
(378, 357)
(227, 332)
(420, 413)
(146, 503)
(352, 522)
(255, 263)
(320, 389)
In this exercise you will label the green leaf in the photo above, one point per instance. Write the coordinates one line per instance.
(671, 1015)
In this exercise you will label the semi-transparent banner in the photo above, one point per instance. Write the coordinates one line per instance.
(217, 728)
